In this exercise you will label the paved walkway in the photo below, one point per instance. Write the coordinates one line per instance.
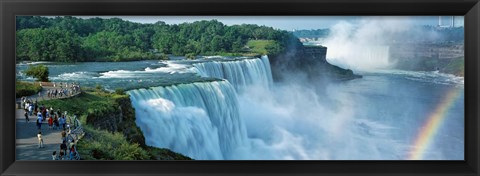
(27, 142)
(26, 133)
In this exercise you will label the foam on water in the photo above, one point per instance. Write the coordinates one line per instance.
(76, 76)
(427, 76)
(170, 68)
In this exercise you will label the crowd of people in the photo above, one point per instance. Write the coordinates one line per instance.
(67, 144)
(63, 90)
(55, 119)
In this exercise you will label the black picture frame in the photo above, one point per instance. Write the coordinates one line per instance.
(10, 8)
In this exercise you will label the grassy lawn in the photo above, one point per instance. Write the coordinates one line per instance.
(259, 46)
(85, 103)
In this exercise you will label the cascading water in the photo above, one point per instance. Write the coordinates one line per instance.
(212, 120)
(200, 120)
(239, 73)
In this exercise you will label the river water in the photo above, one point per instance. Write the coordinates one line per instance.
(231, 109)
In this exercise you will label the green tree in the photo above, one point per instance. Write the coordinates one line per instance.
(237, 45)
(47, 45)
(163, 41)
(274, 48)
(71, 39)
(40, 72)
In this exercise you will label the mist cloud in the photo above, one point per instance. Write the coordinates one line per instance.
(363, 45)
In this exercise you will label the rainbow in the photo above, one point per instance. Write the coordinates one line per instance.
(432, 124)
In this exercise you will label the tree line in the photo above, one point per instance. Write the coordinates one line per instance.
(313, 33)
(72, 39)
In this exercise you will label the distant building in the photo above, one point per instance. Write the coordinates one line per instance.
(450, 21)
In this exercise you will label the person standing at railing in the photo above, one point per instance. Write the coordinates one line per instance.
(64, 136)
(73, 152)
(63, 149)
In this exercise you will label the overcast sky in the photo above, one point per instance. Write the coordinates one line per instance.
(278, 22)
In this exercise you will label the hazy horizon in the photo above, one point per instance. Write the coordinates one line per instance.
(288, 23)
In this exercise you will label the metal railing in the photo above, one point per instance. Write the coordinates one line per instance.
(75, 135)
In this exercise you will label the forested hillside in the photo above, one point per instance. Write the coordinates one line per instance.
(71, 39)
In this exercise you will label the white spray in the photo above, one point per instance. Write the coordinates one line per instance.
(363, 46)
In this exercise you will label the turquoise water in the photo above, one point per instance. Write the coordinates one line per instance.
(126, 75)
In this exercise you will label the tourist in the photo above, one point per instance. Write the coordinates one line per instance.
(35, 106)
(26, 105)
(40, 139)
(64, 137)
(54, 155)
(39, 122)
(63, 147)
(30, 108)
(50, 122)
(63, 121)
(44, 112)
(62, 155)
(55, 122)
(26, 116)
(68, 130)
(73, 151)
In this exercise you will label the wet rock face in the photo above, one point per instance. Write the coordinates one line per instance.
(315, 53)
(108, 122)
(121, 119)
(309, 60)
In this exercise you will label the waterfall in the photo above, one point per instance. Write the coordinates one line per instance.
(200, 120)
(239, 73)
